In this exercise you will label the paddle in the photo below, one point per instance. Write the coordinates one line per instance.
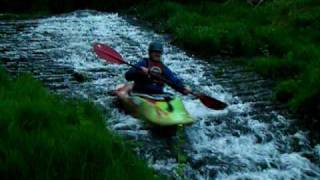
(110, 55)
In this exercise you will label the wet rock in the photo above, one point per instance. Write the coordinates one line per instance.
(79, 77)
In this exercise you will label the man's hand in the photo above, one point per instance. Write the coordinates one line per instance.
(144, 70)
(187, 90)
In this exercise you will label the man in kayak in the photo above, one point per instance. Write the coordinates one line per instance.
(144, 79)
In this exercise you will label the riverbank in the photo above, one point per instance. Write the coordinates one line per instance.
(277, 39)
(44, 136)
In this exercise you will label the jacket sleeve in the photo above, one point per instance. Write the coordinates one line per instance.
(133, 73)
(172, 77)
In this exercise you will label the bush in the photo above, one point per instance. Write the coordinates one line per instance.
(308, 92)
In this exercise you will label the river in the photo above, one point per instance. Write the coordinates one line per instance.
(254, 138)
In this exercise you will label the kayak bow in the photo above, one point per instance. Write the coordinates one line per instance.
(161, 110)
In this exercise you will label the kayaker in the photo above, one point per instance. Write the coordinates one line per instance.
(144, 83)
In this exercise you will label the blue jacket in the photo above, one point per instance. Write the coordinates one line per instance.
(143, 84)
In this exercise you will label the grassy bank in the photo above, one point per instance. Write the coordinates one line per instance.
(43, 136)
(279, 39)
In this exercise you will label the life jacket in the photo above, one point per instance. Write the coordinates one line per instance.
(156, 68)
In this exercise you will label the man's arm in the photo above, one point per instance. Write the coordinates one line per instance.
(133, 73)
(172, 77)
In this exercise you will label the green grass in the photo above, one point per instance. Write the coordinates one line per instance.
(280, 39)
(44, 136)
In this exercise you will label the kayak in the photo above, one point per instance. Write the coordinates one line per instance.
(157, 109)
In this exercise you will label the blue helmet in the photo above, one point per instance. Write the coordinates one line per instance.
(156, 46)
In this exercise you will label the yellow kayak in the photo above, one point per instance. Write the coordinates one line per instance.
(160, 109)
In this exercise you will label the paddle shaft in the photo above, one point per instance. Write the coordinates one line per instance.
(108, 53)
(113, 56)
(174, 86)
(206, 100)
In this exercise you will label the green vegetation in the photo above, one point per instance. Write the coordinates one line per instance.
(280, 39)
(43, 136)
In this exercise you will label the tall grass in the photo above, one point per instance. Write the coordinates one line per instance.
(280, 38)
(43, 136)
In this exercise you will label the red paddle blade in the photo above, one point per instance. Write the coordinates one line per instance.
(107, 53)
(211, 102)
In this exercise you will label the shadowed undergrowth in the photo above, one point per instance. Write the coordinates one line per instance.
(43, 136)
